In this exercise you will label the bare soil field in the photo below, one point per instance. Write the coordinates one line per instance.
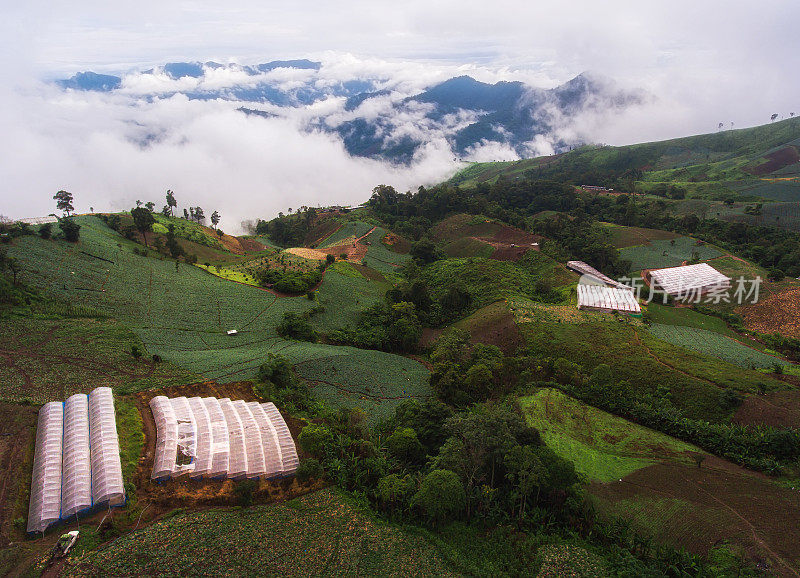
(509, 242)
(305, 253)
(776, 313)
(776, 408)
(699, 508)
(777, 160)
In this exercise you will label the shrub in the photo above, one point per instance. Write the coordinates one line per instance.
(315, 438)
(244, 492)
(404, 445)
(46, 231)
(295, 326)
(70, 229)
(309, 469)
(441, 496)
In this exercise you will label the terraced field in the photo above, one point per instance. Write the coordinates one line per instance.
(182, 313)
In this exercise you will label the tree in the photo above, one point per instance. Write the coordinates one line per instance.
(64, 202)
(186, 214)
(172, 243)
(441, 495)
(773, 117)
(199, 216)
(150, 206)
(171, 202)
(143, 219)
(215, 219)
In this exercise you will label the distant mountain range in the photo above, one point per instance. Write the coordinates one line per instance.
(376, 118)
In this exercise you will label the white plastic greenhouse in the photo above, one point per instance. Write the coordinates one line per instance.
(76, 463)
(221, 439)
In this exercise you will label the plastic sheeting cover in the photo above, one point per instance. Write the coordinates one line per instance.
(232, 439)
(106, 465)
(76, 475)
(76, 462)
(45, 504)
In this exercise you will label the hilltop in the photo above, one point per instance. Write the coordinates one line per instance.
(759, 163)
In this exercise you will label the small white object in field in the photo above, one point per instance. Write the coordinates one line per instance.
(232, 332)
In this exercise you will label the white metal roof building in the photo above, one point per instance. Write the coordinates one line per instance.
(585, 269)
(688, 280)
(222, 438)
(76, 463)
(601, 298)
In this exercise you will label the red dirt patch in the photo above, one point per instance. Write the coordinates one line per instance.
(777, 160)
(251, 245)
(397, 243)
(777, 408)
(699, 508)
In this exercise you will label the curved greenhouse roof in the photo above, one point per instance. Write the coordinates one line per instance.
(220, 438)
(76, 463)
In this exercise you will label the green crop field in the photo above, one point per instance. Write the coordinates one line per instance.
(380, 257)
(667, 253)
(349, 231)
(43, 360)
(716, 345)
(785, 191)
(602, 446)
(375, 381)
(183, 314)
(319, 534)
(344, 294)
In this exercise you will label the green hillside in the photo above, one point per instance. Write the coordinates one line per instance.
(727, 164)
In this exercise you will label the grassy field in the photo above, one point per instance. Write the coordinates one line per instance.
(379, 257)
(468, 247)
(667, 253)
(488, 280)
(621, 236)
(318, 534)
(602, 446)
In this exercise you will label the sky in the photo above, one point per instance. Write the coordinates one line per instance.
(704, 63)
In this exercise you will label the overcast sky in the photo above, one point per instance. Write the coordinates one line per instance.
(706, 61)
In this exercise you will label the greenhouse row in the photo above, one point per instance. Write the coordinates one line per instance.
(76, 463)
(220, 438)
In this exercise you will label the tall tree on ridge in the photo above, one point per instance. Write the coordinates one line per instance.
(171, 202)
(64, 201)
